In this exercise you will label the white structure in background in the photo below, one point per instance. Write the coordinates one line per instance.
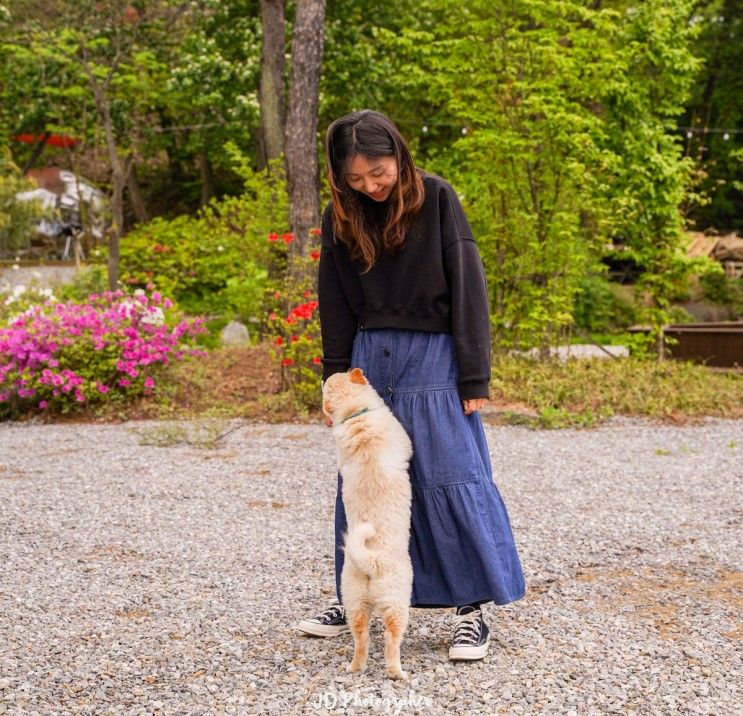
(75, 206)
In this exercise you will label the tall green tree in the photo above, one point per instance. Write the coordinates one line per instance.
(714, 115)
(516, 80)
(654, 66)
(566, 111)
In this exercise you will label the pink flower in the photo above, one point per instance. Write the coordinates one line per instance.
(43, 405)
(149, 382)
(102, 388)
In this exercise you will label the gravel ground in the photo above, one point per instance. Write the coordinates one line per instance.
(140, 579)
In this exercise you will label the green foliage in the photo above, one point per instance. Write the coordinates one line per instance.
(219, 263)
(89, 279)
(717, 102)
(601, 307)
(183, 259)
(722, 289)
(570, 111)
(213, 80)
(528, 164)
(654, 68)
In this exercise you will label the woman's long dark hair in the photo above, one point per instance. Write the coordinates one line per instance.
(370, 134)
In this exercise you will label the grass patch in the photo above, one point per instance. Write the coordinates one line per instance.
(586, 392)
(205, 433)
(246, 383)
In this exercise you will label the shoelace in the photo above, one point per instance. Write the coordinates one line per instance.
(331, 613)
(468, 627)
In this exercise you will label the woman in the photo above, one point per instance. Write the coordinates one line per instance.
(403, 296)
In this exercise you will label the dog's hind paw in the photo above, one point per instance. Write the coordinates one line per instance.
(395, 673)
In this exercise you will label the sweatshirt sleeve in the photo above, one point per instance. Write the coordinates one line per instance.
(338, 323)
(470, 307)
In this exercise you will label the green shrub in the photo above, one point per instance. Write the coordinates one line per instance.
(218, 263)
(722, 290)
(92, 278)
(603, 307)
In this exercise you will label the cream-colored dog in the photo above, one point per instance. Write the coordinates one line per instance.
(373, 455)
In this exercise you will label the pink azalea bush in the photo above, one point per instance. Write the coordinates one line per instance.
(56, 357)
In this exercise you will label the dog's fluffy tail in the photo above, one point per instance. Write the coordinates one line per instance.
(367, 560)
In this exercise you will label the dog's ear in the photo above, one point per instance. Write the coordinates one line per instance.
(357, 376)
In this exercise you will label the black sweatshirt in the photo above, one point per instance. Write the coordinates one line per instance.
(436, 283)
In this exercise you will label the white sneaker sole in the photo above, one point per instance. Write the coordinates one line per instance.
(316, 629)
(468, 653)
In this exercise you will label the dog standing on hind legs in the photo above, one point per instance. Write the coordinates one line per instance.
(373, 455)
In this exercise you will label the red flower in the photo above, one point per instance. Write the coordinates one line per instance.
(160, 249)
(287, 361)
(279, 341)
(307, 294)
(317, 360)
(314, 255)
(277, 295)
(273, 237)
(295, 339)
(315, 232)
(291, 319)
(287, 238)
(272, 316)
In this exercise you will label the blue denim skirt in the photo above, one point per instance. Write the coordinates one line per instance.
(461, 544)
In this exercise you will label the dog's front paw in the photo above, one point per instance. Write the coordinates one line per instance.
(354, 668)
(395, 673)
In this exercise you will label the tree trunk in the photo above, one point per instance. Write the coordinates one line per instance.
(208, 185)
(271, 93)
(38, 149)
(119, 177)
(114, 232)
(301, 125)
(135, 196)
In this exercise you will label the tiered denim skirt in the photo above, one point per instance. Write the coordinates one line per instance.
(461, 544)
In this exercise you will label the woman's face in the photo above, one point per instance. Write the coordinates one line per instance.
(374, 176)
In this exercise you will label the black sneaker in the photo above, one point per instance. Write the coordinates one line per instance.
(471, 635)
(331, 622)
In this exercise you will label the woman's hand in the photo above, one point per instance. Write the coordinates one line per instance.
(473, 405)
